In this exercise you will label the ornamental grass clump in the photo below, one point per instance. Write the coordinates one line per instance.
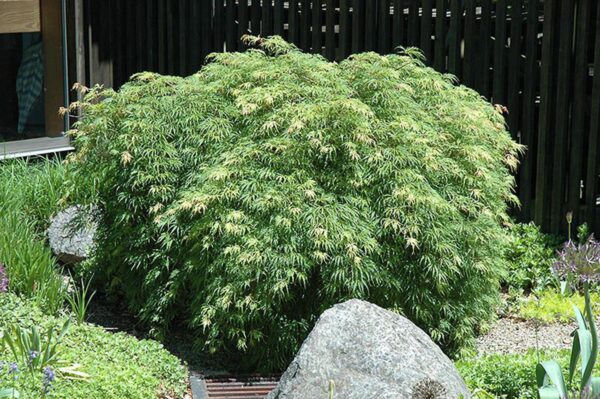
(251, 196)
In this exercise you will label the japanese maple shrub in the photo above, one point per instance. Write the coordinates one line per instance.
(251, 196)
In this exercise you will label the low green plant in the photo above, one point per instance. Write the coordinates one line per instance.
(104, 365)
(35, 350)
(530, 255)
(550, 306)
(510, 376)
(251, 196)
(80, 298)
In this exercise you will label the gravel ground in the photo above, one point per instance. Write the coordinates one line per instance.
(516, 336)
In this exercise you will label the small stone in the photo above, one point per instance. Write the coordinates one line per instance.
(71, 233)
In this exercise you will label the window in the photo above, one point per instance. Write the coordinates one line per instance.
(32, 77)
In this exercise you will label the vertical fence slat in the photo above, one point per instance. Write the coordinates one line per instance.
(171, 38)
(580, 92)
(515, 68)
(455, 36)
(278, 18)
(129, 13)
(293, 21)
(182, 25)
(345, 33)
(305, 25)
(162, 35)
(528, 124)
(230, 28)
(547, 80)
(206, 18)
(398, 24)
(499, 83)
(485, 34)
(565, 56)
(255, 11)
(413, 23)
(150, 37)
(267, 18)
(370, 33)
(470, 41)
(358, 20)
(594, 134)
(426, 28)
(383, 24)
(330, 30)
(195, 45)
(439, 59)
(219, 25)
(120, 45)
(242, 22)
(317, 27)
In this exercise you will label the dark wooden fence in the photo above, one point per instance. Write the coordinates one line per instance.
(536, 57)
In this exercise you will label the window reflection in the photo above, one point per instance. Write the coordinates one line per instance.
(21, 86)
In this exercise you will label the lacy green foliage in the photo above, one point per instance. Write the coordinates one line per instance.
(253, 195)
(119, 366)
(511, 376)
(530, 256)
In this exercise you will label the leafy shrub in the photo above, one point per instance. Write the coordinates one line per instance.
(118, 365)
(550, 306)
(272, 184)
(511, 376)
(530, 256)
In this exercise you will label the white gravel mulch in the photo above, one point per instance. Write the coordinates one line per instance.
(511, 335)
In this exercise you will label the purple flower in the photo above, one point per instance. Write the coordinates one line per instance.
(48, 379)
(3, 279)
(14, 370)
(32, 356)
(581, 261)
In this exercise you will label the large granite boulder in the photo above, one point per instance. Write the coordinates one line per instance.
(71, 233)
(369, 353)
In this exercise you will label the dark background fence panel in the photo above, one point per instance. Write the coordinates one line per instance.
(536, 57)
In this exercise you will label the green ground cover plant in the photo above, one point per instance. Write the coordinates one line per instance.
(530, 255)
(110, 365)
(251, 196)
(508, 375)
(550, 306)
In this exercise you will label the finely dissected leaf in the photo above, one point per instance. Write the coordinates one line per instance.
(272, 184)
